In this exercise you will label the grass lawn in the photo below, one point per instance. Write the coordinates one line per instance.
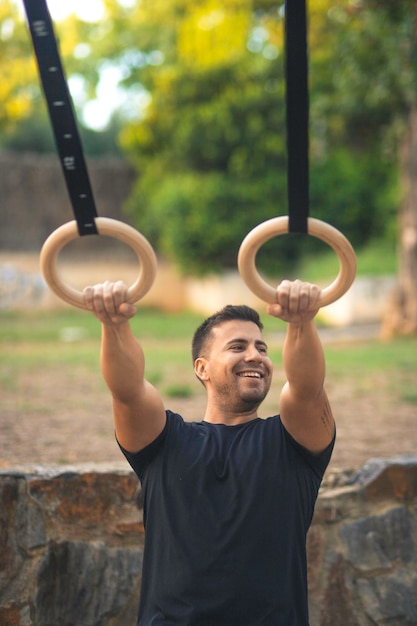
(71, 338)
(55, 408)
(379, 258)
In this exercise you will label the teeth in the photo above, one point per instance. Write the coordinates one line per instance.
(251, 374)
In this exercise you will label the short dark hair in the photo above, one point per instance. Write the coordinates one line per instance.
(226, 314)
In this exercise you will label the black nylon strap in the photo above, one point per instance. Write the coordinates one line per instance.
(297, 108)
(62, 115)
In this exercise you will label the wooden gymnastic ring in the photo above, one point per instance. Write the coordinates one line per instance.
(278, 226)
(105, 226)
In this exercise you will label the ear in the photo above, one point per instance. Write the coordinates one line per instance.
(201, 369)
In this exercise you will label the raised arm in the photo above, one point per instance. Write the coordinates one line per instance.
(139, 414)
(304, 406)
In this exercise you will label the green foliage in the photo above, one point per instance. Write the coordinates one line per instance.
(212, 162)
(210, 146)
(204, 218)
(178, 391)
(34, 134)
(374, 71)
(211, 151)
(356, 193)
(17, 72)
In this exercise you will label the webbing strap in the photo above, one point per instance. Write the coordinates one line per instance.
(297, 109)
(62, 115)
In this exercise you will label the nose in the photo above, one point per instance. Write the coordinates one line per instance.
(252, 354)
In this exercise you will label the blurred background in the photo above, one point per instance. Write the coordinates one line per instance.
(181, 111)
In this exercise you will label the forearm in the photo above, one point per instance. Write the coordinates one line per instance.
(122, 361)
(304, 408)
(303, 359)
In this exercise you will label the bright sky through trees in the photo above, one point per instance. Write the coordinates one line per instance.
(96, 113)
(87, 10)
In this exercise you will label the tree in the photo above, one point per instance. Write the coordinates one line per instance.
(210, 148)
(17, 70)
(377, 87)
(209, 145)
(24, 121)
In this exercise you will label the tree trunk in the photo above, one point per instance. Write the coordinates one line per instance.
(401, 316)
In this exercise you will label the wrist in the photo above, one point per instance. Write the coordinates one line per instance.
(301, 325)
(116, 331)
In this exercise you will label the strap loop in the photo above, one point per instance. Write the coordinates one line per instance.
(297, 107)
(62, 116)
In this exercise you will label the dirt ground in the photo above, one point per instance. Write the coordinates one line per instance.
(67, 419)
(64, 416)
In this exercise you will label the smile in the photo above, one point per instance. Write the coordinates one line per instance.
(250, 375)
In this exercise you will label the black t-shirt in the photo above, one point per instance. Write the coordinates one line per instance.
(226, 512)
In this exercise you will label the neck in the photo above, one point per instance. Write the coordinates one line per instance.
(215, 416)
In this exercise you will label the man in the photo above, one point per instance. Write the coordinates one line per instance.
(227, 501)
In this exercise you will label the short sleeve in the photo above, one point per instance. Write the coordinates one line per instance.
(139, 461)
(317, 462)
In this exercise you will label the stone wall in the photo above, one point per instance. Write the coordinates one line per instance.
(34, 202)
(71, 546)
(34, 199)
(362, 548)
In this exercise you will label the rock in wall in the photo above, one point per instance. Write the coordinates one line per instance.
(71, 544)
(362, 548)
(71, 547)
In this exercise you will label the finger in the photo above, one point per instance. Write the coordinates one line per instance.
(88, 298)
(304, 297)
(283, 293)
(119, 294)
(294, 297)
(275, 310)
(98, 300)
(315, 292)
(108, 299)
(92, 300)
(127, 310)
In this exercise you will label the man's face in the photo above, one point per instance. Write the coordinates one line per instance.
(235, 365)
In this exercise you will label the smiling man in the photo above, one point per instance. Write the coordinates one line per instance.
(227, 500)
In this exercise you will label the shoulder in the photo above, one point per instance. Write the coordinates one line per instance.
(317, 462)
(176, 428)
(276, 435)
(176, 433)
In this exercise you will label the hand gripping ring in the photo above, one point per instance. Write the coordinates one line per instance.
(105, 226)
(278, 226)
